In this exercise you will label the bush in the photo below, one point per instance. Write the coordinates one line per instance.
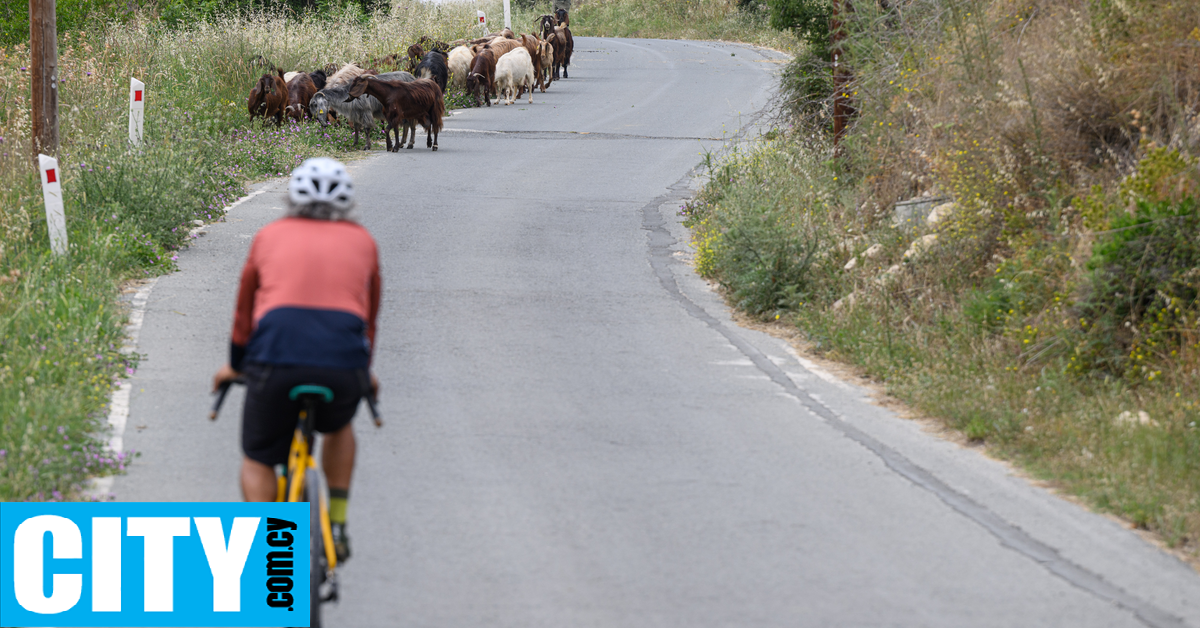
(806, 89)
(767, 252)
(1143, 289)
(70, 15)
(808, 18)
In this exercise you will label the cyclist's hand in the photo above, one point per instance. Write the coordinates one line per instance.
(224, 374)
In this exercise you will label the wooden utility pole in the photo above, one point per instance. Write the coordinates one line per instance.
(43, 70)
(842, 110)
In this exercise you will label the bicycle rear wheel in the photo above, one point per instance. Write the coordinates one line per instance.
(316, 547)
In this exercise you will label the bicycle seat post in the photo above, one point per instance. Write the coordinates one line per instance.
(310, 395)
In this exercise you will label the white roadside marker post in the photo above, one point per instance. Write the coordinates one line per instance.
(56, 220)
(137, 108)
(507, 15)
(482, 19)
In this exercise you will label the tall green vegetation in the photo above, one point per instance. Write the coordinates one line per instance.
(809, 19)
(74, 15)
(1052, 269)
(742, 21)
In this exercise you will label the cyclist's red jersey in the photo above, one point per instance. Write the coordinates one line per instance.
(309, 296)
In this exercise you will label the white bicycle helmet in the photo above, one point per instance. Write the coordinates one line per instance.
(321, 180)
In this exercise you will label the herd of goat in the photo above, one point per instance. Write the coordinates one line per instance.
(501, 65)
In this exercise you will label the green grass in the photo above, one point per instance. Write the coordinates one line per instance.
(679, 19)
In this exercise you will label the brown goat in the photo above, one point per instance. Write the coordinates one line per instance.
(391, 62)
(415, 54)
(483, 75)
(269, 97)
(501, 46)
(564, 45)
(546, 56)
(300, 90)
(431, 44)
(534, 46)
(257, 102)
(405, 105)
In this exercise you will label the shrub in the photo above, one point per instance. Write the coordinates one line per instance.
(808, 18)
(806, 89)
(1143, 289)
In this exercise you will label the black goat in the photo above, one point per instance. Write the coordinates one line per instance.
(318, 78)
(433, 67)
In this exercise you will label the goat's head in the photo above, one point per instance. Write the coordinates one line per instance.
(547, 24)
(319, 108)
(358, 87)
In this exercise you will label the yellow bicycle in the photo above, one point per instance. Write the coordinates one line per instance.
(302, 481)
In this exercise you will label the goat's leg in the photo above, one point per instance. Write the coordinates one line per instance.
(434, 121)
(387, 137)
(429, 118)
(412, 128)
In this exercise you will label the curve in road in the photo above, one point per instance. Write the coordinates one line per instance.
(581, 436)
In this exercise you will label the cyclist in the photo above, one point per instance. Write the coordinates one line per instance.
(306, 311)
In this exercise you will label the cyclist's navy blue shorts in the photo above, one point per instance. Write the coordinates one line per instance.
(269, 417)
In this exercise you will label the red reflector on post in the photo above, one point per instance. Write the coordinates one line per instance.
(50, 178)
(137, 96)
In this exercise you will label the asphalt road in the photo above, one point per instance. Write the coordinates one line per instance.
(577, 433)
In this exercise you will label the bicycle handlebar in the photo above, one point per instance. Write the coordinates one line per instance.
(223, 390)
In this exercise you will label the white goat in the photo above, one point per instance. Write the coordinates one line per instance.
(459, 63)
(514, 72)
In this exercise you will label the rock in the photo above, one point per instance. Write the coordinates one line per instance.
(1141, 418)
(911, 214)
(888, 274)
(919, 247)
(198, 223)
(851, 265)
(874, 251)
(940, 213)
(845, 302)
